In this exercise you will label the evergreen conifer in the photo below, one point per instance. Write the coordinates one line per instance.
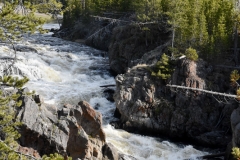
(163, 68)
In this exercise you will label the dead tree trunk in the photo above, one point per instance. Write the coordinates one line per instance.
(204, 91)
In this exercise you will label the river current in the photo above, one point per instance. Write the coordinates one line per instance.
(67, 72)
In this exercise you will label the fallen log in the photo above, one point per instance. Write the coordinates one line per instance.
(109, 85)
(203, 90)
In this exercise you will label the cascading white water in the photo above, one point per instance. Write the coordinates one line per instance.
(67, 72)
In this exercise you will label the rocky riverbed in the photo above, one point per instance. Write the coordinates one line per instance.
(65, 73)
(146, 105)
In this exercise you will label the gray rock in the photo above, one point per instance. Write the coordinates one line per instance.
(147, 106)
(129, 45)
(72, 130)
(38, 99)
(111, 153)
(25, 49)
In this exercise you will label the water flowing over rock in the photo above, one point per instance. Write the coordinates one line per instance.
(111, 153)
(73, 130)
(146, 105)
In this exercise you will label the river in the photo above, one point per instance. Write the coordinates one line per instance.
(67, 72)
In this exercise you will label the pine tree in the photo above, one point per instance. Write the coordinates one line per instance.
(148, 10)
(191, 54)
(13, 23)
(163, 68)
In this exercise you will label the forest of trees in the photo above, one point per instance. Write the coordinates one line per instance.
(205, 25)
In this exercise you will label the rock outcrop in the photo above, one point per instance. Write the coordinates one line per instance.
(146, 105)
(96, 33)
(235, 126)
(111, 153)
(73, 130)
(130, 42)
(125, 41)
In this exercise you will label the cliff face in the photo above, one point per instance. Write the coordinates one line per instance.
(130, 42)
(95, 33)
(148, 106)
(124, 41)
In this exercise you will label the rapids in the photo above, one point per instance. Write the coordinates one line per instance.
(67, 72)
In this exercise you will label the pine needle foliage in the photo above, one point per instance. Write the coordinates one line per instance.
(55, 156)
(163, 68)
(234, 77)
(13, 24)
(236, 153)
(50, 6)
(8, 123)
(191, 54)
(13, 81)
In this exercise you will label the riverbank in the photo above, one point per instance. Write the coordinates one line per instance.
(147, 106)
(67, 72)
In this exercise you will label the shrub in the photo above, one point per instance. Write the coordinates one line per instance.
(236, 153)
(191, 54)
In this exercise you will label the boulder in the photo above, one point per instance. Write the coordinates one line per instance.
(22, 48)
(111, 153)
(72, 130)
(108, 93)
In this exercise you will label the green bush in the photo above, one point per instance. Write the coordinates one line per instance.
(236, 153)
(191, 54)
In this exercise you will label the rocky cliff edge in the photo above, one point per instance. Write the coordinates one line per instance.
(148, 106)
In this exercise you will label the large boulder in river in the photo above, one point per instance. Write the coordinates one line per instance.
(148, 106)
(73, 130)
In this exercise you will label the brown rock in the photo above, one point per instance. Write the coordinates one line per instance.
(29, 151)
(73, 130)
